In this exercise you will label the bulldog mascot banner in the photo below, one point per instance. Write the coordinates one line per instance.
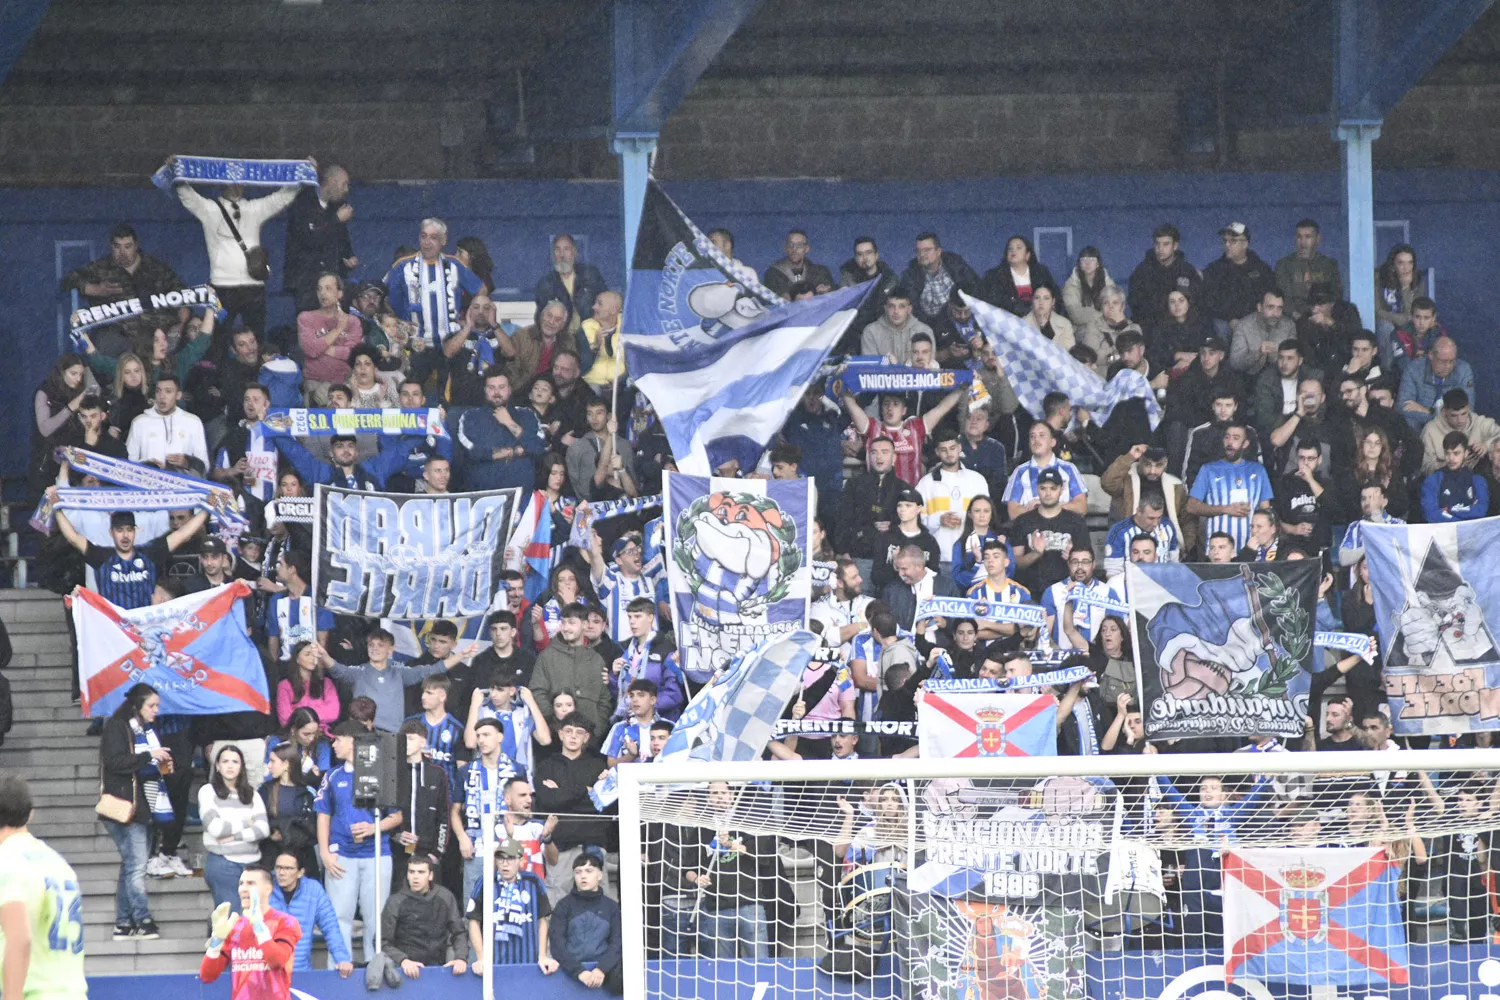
(1223, 649)
(737, 563)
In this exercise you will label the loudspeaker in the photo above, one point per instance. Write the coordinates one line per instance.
(375, 764)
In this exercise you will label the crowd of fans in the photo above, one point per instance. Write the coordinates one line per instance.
(1287, 423)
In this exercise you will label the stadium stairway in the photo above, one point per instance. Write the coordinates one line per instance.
(48, 745)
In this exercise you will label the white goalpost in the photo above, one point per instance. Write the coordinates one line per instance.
(1268, 875)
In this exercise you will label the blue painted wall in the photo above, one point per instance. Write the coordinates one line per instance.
(1453, 216)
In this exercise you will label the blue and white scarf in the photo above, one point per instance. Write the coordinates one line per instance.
(586, 515)
(1358, 643)
(1050, 678)
(980, 610)
(235, 170)
(105, 313)
(152, 785)
(512, 908)
(219, 501)
(480, 800)
(70, 498)
(300, 422)
(724, 594)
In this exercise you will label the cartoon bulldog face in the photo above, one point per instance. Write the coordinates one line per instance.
(738, 536)
(724, 304)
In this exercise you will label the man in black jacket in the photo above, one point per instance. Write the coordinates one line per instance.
(422, 789)
(732, 871)
(571, 281)
(869, 505)
(1234, 284)
(317, 238)
(563, 781)
(865, 265)
(944, 271)
(584, 935)
(420, 927)
(1163, 271)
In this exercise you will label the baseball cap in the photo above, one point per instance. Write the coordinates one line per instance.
(1213, 342)
(1236, 229)
(1051, 476)
(213, 546)
(510, 848)
(122, 519)
(624, 541)
(910, 495)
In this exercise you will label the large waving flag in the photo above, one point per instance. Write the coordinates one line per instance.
(1037, 366)
(986, 724)
(734, 717)
(722, 359)
(194, 650)
(1324, 915)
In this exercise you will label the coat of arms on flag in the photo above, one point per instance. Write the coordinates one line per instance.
(1327, 915)
(194, 650)
(986, 724)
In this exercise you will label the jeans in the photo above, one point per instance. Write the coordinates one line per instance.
(356, 891)
(132, 840)
(734, 933)
(223, 878)
(679, 924)
(867, 575)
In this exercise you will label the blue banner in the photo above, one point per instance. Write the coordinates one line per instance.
(1437, 589)
(299, 422)
(737, 565)
(1222, 649)
(989, 611)
(395, 555)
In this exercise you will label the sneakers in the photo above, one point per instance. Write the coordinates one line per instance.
(146, 930)
(158, 866)
(124, 931)
(178, 867)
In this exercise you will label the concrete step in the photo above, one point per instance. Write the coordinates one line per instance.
(101, 886)
(39, 680)
(53, 762)
(54, 641)
(133, 965)
(55, 708)
(49, 736)
(182, 933)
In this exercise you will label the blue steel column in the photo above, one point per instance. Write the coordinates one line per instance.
(635, 151)
(1359, 219)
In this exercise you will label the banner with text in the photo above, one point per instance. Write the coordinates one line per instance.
(1437, 588)
(396, 555)
(737, 563)
(1222, 649)
(300, 422)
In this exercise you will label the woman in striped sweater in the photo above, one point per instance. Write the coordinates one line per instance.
(234, 824)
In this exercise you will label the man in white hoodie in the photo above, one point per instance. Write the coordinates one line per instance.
(167, 435)
(223, 216)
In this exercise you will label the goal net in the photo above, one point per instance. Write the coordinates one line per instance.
(1263, 875)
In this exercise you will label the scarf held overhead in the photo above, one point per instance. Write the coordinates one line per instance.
(300, 422)
(235, 170)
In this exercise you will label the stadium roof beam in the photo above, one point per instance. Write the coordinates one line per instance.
(1382, 48)
(18, 20)
(660, 51)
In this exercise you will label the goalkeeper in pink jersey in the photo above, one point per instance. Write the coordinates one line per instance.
(257, 947)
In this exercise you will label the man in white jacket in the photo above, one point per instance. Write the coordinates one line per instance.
(167, 435)
(240, 294)
(946, 492)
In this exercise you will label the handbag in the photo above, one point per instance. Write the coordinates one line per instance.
(257, 260)
(112, 807)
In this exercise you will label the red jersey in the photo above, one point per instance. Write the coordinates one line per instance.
(909, 439)
(257, 971)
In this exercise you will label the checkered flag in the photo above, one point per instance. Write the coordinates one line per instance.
(734, 717)
(1037, 366)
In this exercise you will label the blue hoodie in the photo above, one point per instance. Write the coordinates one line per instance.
(311, 907)
(585, 928)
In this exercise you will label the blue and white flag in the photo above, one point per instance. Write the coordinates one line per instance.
(722, 359)
(396, 555)
(1437, 589)
(1223, 649)
(737, 563)
(1037, 366)
(734, 717)
(235, 170)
